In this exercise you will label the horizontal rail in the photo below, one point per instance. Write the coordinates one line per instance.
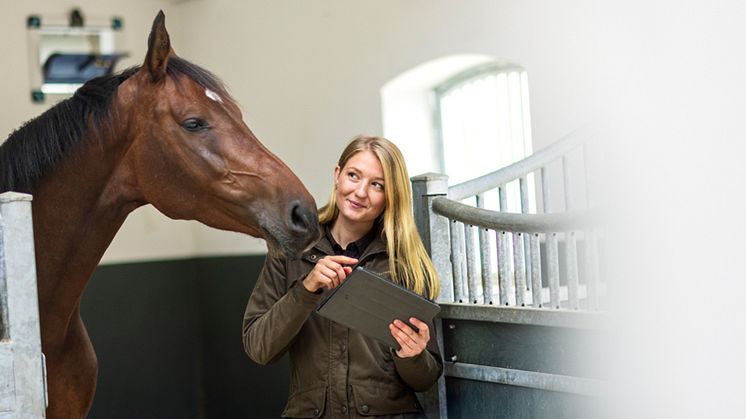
(524, 315)
(503, 221)
(529, 379)
(521, 168)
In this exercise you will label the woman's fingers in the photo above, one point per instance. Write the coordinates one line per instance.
(341, 260)
(329, 272)
(422, 327)
(411, 342)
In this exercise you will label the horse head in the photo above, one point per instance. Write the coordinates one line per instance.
(193, 157)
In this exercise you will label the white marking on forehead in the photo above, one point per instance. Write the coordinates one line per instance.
(212, 95)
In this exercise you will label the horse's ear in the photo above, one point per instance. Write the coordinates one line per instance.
(159, 48)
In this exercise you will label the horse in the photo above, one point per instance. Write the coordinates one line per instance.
(165, 133)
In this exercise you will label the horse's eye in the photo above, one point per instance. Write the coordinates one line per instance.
(194, 124)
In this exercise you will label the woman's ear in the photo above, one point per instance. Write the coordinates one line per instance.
(337, 170)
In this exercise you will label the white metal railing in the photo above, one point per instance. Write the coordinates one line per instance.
(492, 257)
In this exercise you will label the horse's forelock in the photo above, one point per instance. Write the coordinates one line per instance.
(181, 67)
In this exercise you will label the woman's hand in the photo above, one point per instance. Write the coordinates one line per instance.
(411, 343)
(329, 272)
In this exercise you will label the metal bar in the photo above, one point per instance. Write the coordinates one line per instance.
(503, 270)
(553, 270)
(571, 255)
(4, 324)
(22, 351)
(457, 260)
(529, 379)
(591, 258)
(485, 257)
(503, 261)
(471, 264)
(523, 183)
(508, 173)
(585, 176)
(433, 228)
(434, 400)
(520, 269)
(566, 182)
(535, 271)
(503, 198)
(526, 223)
(570, 319)
(546, 205)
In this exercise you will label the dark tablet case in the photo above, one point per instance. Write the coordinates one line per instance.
(367, 302)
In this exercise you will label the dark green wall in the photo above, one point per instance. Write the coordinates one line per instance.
(168, 339)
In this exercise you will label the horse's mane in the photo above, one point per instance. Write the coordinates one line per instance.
(33, 149)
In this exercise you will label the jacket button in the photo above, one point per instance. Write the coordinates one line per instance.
(364, 408)
(344, 347)
(315, 412)
(344, 409)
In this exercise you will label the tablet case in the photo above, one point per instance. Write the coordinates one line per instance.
(368, 303)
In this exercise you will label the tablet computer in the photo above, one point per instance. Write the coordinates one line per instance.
(368, 303)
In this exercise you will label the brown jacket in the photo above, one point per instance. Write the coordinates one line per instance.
(335, 372)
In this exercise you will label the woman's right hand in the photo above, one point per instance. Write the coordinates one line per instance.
(329, 272)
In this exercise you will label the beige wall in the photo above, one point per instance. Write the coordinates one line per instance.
(308, 73)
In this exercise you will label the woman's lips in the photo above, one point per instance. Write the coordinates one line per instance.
(355, 205)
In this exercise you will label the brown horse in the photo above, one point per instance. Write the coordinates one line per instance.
(165, 133)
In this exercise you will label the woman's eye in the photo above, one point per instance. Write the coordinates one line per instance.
(194, 125)
(378, 186)
(352, 175)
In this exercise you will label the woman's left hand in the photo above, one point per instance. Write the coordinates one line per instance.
(411, 343)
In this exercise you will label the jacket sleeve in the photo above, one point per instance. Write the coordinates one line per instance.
(422, 371)
(274, 314)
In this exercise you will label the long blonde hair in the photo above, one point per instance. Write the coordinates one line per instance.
(409, 263)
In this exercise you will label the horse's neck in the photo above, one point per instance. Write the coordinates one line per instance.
(77, 211)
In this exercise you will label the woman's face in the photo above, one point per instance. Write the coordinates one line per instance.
(360, 188)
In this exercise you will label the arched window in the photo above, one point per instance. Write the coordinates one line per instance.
(483, 123)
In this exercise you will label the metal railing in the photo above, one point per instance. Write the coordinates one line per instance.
(538, 269)
(493, 257)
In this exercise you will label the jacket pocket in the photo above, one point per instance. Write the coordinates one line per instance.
(306, 404)
(372, 401)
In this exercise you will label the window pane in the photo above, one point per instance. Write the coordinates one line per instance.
(485, 125)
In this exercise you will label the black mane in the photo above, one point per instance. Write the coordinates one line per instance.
(33, 149)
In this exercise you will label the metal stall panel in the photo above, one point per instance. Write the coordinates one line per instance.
(22, 381)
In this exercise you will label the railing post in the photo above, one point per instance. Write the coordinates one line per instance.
(21, 361)
(434, 228)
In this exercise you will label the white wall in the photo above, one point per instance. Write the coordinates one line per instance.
(146, 234)
(309, 73)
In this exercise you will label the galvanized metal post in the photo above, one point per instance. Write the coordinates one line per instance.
(434, 228)
(458, 261)
(22, 381)
(485, 256)
(471, 264)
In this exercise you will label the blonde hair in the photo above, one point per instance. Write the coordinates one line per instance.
(409, 263)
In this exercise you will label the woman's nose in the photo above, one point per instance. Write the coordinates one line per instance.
(361, 190)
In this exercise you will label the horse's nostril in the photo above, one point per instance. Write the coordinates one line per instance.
(301, 218)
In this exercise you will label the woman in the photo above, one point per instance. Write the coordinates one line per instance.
(335, 371)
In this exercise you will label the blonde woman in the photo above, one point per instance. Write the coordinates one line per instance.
(335, 371)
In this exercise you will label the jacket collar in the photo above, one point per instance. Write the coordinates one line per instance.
(324, 248)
